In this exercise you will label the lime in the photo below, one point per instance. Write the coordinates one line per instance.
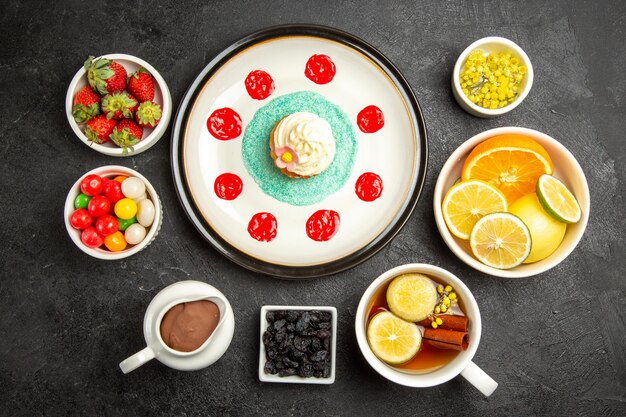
(557, 200)
(546, 232)
(501, 240)
(392, 339)
(468, 201)
(411, 297)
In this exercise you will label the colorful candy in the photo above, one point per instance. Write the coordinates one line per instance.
(112, 212)
(135, 233)
(115, 242)
(133, 187)
(145, 213)
(125, 208)
(81, 201)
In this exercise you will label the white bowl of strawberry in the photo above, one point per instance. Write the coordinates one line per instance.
(118, 104)
(112, 212)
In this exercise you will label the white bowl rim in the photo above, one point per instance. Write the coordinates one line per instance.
(101, 253)
(475, 45)
(455, 158)
(147, 142)
(441, 375)
(296, 379)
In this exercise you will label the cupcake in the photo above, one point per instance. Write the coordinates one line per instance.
(302, 145)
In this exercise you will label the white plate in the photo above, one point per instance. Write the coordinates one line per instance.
(397, 152)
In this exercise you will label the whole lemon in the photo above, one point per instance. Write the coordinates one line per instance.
(545, 231)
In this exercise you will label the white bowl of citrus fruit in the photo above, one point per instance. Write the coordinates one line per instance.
(511, 202)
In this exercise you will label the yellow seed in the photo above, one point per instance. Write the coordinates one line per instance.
(444, 309)
(439, 288)
(437, 310)
(434, 324)
(446, 301)
(452, 296)
(438, 320)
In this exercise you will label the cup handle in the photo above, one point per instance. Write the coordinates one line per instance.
(133, 362)
(478, 378)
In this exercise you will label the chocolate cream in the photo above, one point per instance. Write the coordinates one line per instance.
(186, 326)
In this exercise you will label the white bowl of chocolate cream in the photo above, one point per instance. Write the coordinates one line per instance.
(187, 326)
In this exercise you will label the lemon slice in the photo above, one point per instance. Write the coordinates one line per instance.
(500, 240)
(392, 339)
(557, 200)
(411, 297)
(468, 201)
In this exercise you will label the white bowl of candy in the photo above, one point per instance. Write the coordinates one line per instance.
(112, 212)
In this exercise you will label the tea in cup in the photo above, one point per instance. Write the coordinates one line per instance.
(419, 325)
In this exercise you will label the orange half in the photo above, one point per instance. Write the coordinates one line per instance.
(512, 163)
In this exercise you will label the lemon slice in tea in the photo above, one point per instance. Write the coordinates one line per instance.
(557, 200)
(468, 201)
(411, 297)
(392, 339)
(501, 240)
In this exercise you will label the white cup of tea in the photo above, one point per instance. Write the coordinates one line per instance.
(206, 354)
(461, 364)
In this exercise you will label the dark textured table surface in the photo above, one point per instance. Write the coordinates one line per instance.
(555, 342)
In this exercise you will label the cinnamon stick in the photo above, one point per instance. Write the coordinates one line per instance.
(448, 321)
(446, 339)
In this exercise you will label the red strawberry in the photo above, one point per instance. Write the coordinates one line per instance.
(119, 105)
(99, 128)
(126, 134)
(86, 104)
(148, 114)
(105, 76)
(141, 85)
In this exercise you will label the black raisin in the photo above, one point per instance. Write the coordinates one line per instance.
(327, 344)
(319, 355)
(291, 327)
(293, 315)
(279, 365)
(306, 371)
(290, 363)
(316, 344)
(326, 372)
(267, 337)
(308, 332)
(269, 367)
(279, 324)
(272, 354)
(287, 372)
(325, 316)
(270, 316)
(280, 314)
(318, 374)
(301, 343)
(324, 325)
(280, 337)
(323, 334)
(295, 354)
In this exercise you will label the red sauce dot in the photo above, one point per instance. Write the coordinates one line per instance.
(320, 69)
(370, 119)
(322, 225)
(259, 84)
(369, 186)
(262, 227)
(224, 124)
(228, 186)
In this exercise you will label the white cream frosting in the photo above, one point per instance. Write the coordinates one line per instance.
(311, 137)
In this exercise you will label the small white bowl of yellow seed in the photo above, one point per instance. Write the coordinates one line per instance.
(491, 77)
